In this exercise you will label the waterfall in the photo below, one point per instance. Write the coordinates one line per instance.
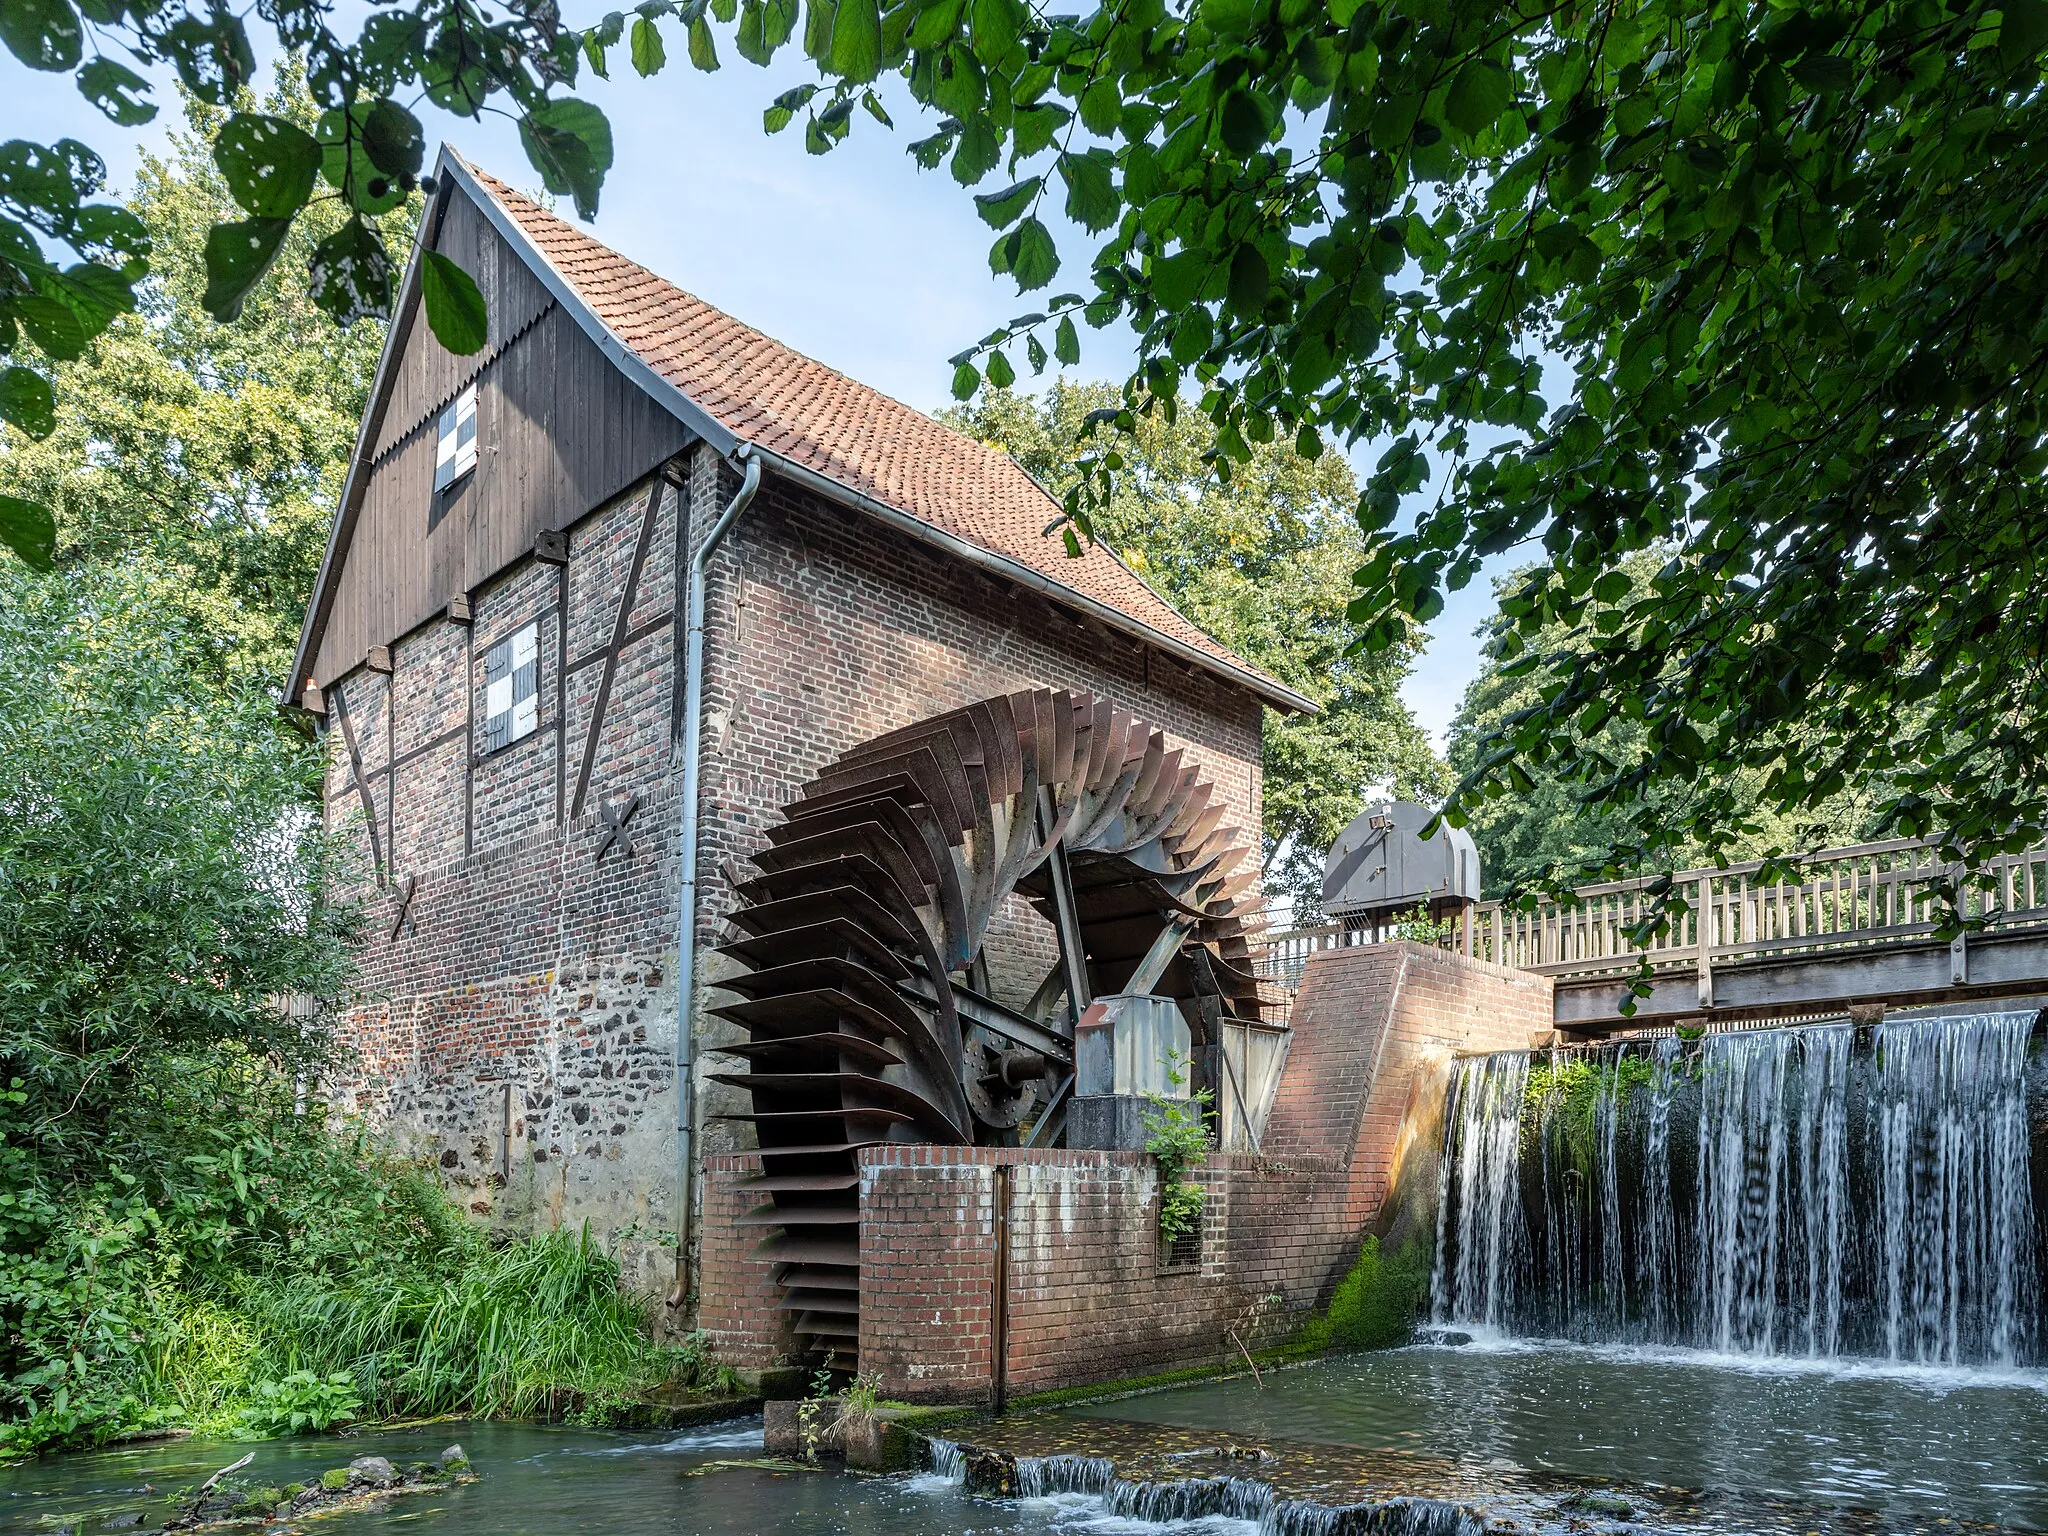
(1814, 1191)
(1186, 1501)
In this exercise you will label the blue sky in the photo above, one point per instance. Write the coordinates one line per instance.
(857, 258)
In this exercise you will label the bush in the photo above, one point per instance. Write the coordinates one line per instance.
(302, 1404)
(1177, 1136)
(183, 1236)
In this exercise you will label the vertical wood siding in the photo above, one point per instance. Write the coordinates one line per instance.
(559, 432)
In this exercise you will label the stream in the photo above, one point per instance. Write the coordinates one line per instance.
(1550, 1437)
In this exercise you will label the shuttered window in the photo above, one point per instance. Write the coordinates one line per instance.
(512, 688)
(455, 453)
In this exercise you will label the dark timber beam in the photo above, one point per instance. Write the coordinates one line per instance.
(1992, 965)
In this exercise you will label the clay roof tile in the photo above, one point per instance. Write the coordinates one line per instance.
(765, 393)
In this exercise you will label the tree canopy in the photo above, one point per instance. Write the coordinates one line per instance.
(209, 457)
(1559, 831)
(1762, 282)
(1263, 564)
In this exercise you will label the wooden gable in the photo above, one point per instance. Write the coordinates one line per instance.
(560, 430)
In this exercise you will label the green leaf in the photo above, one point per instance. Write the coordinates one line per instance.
(965, 381)
(236, 256)
(117, 91)
(268, 163)
(999, 210)
(1479, 93)
(455, 306)
(1228, 18)
(1178, 278)
(977, 151)
(350, 274)
(1091, 195)
(1102, 108)
(647, 50)
(28, 402)
(1066, 342)
(53, 325)
(43, 34)
(393, 139)
(570, 144)
(1250, 280)
(27, 528)
(1033, 259)
(1246, 121)
(1000, 373)
(996, 24)
(212, 56)
(703, 51)
(346, 164)
(2022, 31)
(1824, 72)
(1612, 587)
(857, 40)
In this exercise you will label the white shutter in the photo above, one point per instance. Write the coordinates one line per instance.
(512, 689)
(455, 440)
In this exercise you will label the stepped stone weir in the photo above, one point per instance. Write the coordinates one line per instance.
(1827, 1191)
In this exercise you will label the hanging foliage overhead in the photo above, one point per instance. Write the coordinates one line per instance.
(1762, 281)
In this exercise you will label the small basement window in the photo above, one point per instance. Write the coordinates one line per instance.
(455, 453)
(512, 688)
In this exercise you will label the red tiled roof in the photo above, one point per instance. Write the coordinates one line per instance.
(769, 395)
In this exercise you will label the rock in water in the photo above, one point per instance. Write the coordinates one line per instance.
(372, 1469)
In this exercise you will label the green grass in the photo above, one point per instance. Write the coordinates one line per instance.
(515, 1330)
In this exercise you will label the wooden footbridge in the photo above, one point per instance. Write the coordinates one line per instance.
(1857, 929)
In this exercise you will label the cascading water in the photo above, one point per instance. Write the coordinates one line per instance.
(1189, 1500)
(1812, 1191)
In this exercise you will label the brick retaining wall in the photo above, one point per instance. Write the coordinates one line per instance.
(1090, 1296)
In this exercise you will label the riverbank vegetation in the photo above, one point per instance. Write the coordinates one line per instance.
(187, 1237)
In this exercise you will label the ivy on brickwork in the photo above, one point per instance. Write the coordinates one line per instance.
(1177, 1136)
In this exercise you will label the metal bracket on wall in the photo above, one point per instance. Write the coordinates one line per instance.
(614, 818)
(404, 908)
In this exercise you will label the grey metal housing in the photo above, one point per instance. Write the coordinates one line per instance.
(1382, 865)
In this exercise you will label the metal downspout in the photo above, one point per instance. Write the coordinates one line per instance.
(686, 882)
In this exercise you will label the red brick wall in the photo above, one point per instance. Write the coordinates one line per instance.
(527, 965)
(1375, 1028)
(736, 1297)
(1089, 1298)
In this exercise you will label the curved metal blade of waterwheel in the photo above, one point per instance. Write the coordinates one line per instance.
(873, 903)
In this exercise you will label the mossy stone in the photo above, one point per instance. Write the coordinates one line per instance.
(335, 1478)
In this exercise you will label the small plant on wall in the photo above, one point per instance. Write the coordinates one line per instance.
(1177, 1134)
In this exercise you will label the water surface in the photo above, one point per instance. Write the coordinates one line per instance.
(1910, 1444)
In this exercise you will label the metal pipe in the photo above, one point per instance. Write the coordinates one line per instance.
(686, 883)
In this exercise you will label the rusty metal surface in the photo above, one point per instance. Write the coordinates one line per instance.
(866, 934)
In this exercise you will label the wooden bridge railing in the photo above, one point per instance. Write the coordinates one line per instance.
(1870, 896)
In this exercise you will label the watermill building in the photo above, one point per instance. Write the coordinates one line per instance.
(957, 797)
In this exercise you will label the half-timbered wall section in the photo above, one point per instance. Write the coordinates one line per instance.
(559, 431)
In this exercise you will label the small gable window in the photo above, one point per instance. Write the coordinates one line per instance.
(512, 688)
(455, 454)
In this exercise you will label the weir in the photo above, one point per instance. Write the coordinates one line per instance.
(1831, 1191)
